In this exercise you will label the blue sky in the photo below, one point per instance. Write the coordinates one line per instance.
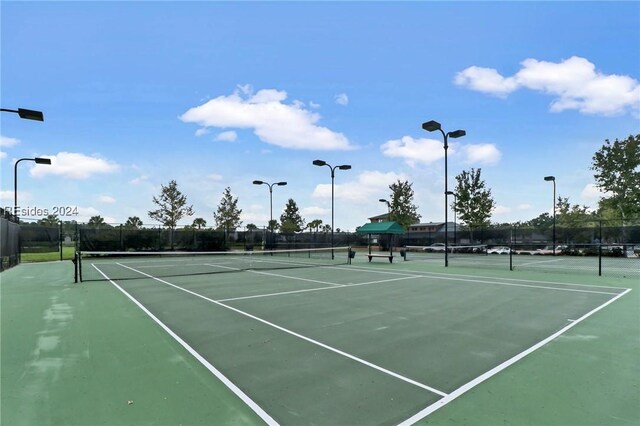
(216, 95)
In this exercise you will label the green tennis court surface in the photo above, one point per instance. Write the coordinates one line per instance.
(366, 343)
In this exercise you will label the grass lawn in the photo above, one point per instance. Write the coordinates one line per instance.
(67, 254)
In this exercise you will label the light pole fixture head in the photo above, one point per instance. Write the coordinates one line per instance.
(29, 114)
(431, 126)
(319, 163)
(40, 160)
(550, 178)
(450, 193)
(258, 182)
(281, 183)
(457, 134)
(345, 167)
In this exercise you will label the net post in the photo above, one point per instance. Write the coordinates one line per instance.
(79, 264)
(75, 266)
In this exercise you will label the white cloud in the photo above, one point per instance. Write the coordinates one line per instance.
(342, 99)
(524, 207)
(592, 193)
(272, 120)
(314, 211)
(428, 151)
(575, 84)
(73, 165)
(139, 180)
(106, 199)
(215, 176)
(8, 142)
(485, 80)
(3, 155)
(229, 136)
(367, 186)
(7, 195)
(413, 151)
(501, 210)
(484, 153)
(201, 132)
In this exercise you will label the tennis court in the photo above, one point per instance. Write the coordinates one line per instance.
(301, 342)
(560, 264)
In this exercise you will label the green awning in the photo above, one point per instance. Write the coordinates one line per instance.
(381, 228)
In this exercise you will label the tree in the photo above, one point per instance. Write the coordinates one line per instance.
(51, 220)
(572, 216)
(475, 203)
(199, 223)
(133, 222)
(617, 172)
(96, 221)
(273, 224)
(314, 225)
(227, 216)
(251, 227)
(290, 219)
(544, 221)
(326, 228)
(401, 206)
(172, 206)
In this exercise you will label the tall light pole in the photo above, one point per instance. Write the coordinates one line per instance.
(270, 185)
(333, 175)
(27, 114)
(431, 126)
(553, 179)
(382, 200)
(455, 226)
(38, 160)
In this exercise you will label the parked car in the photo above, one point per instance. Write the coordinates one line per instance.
(499, 250)
(549, 250)
(435, 247)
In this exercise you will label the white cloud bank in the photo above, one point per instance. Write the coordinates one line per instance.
(427, 151)
(7, 142)
(575, 83)
(368, 185)
(272, 120)
(73, 165)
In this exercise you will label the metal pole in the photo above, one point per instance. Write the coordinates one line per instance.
(554, 217)
(446, 207)
(332, 180)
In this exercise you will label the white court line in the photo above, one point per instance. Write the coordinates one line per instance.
(472, 279)
(473, 383)
(274, 275)
(236, 390)
(539, 262)
(300, 336)
(314, 289)
(506, 279)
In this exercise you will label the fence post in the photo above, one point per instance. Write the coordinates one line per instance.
(60, 238)
(511, 249)
(600, 251)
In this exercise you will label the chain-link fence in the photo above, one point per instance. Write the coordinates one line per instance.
(9, 243)
(610, 248)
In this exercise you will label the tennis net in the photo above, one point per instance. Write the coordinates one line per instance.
(113, 265)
